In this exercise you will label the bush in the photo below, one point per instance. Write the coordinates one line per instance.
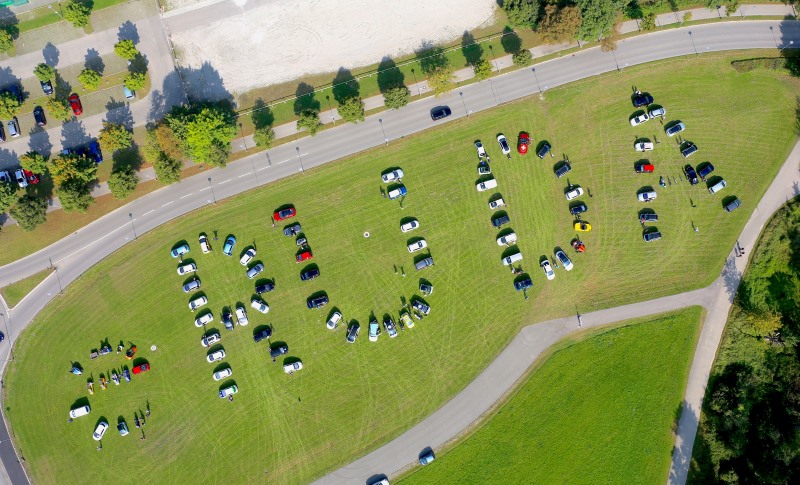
(115, 137)
(523, 13)
(77, 13)
(308, 119)
(483, 70)
(29, 212)
(9, 105)
(352, 109)
(135, 81)
(168, 170)
(126, 49)
(74, 196)
(44, 73)
(8, 194)
(58, 109)
(522, 58)
(264, 136)
(90, 79)
(34, 162)
(746, 65)
(123, 182)
(396, 97)
(441, 81)
(649, 22)
(6, 40)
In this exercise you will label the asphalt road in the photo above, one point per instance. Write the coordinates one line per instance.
(76, 253)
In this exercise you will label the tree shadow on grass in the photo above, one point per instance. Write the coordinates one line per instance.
(262, 115)
(473, 52)
(305, 98)
(510, 41)
(431, 57)
(345, 86)
(389, 75)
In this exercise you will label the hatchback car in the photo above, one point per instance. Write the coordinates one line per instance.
(122, 427)
(481, 151)
(390, 326)
(507, 240)
(582, 226)
(484, 168)
(496, 204)
(128, 93)
(47, 87)
(100, 430)
(352, 333)
(141, 368)
(13, 127)
(658, 112)
(409, 226)
(688, 149)
(241, 315)
(180, 250)
(75, 104)
(292, 230)
(650, 217)
(421, 307)
(5, 177)
(187, 268)
(638, 120)
(197, 303)
(417, 246)
(484, 186)
(293, 367)
(230, 243)
(675, 129)
(191, 286)
(718, 186)
(204, 246)
(374, 330)
(643, 146)
(275, 352)
(563, 169)
(213, 356)
(22, 180)
(38, 116)
(548, 270)
(228, 391)
(691, 175)
(2, 133)
(261, 335)
(427, 458)
(423, 263)
(317, 302)
(405, 319)
(440, 112)
(573, 192)
(651, 236)
(284, 214)
(255, 270)
(733, 205)
(32, 178)
(393, 176)
(704, 171)
(523, 142)
(500, 221)
(523, 284)
(204, 319)
(265, 287)
(260, 305)
(334, 320)
(303, 256)
(501, 140)
(247, 257)
(642, 99)
(222, 374)
(309, 274)
(644, 168)
(209, 340)
(646, 196)
(544, 150)
(578, 209)
(425, 288)
(227, 319)
(564, 260)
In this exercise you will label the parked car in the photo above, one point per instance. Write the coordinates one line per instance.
(512, 258)
(582, 226)
(259, 305)
(705, 170)
(421, 307)
(405, 319)
(284, 214)
(22, 181)
(94, 152)
(275, 352)
(409, 226)
(578, 209)
(229, 391)
(204, 319)
(646, 196)
(122, 427)
(481, 151)
(265, 287)
(309, 274)
(352, 332)
(718, 186)
(5, 177)
(691, 175)
(47, 87)
(484, 168)
(100, 430)
(75, 104)
(393, 176)
(255, 270)
(643, 146)
(128, 93)
(638, 120)
(733, 205)
(204, 246)
(31, 177)
(642, 99)
(230, 243)
(80, 411)
(418, 245)
(507, 240)
(2, 133)
(139, 369)
(523, 142)
(397, 193)
(301, 241)
(523, 284)
(651, 236)
(389, 325)
(263, 334)
(662, 112)
(423, 263)
(497, 203)
(293, 367)
(223, 373)
(197, 303)
(247, 257)
(317, 302)
(501, 140)
(675, 129)
(563, 169)
(573, 192)
(187, 268)
(13, 127)
(374, 330)
(688, 150)
(209, 340)
(227, 319)
(241, 315)
(500, 221)
(427, 458)
(212, 357)
(484, 186)
(180, 250)
(644, 168)
(548, 270)
(303, 256)
(292, 230)
(192, 285)
(544, 150)
(334, 320)
(440, 112)
(649, 217)
(39, 117)
(562, 258)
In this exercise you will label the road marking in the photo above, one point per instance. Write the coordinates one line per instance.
(92, 243)
(243, 175)
(146, 213)
(225, 181)
(185, 196)
(168, 203)
(204, 188)
(283, 162)
(262, 168)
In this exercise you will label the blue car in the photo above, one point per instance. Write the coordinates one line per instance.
(180, 250)
(229, 244)
(95, 153)
(427, 458)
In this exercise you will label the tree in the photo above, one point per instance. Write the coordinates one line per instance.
(9, 105)
(77, 13)
(90, 79)
(441, 81)
(29, 212)
(8, 194)
(126, 49)
(483, 69)
(33, 161)
(114, 136)
(649, 22)
(731, 7)
(6, 40)
(208, 136)
(166, 141)
(264, 136)
(44, 72)
(135, 81)
(308, 119)
(559, 25)
(123, 182)
(764, 324)
(72, 167)
(608, 44)
(522, 13)
(522, 58)
(396, 97)
(598, 17)
(352, 109)
(74, 196)
(58, 109)
(168, 170)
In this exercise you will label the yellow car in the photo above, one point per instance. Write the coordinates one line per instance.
(582, 226)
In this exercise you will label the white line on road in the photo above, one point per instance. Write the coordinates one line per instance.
(262, 168)
(168, 203)
(92, 243)
(225, 181)
(185, 196)
(204, 188)
(147, 213)
(243, 175)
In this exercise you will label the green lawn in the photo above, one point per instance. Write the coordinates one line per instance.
(15, 292)
(351, 398)
(600, 409)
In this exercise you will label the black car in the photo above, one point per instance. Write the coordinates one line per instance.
(38, 115)
(440, 112)
(276, 352)
(421, 307)
(47, 87)
(652, 217)
(227, 320)
(733, 205)
(705, 170)
(578, 209)
(352, 332)
(523, 284)
(651, 236)
(544, 150)
(309, 274)
(688, 149)
(266, 333)
(500, 221)
(265, 288)
(691, 175)
(642, 99)
(292, 230)
(317, 302)
(426, 288)
(563, 169)
(2, 133)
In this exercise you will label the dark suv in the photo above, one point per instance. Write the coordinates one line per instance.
(266, 333)
(652, 217)
(47, 87)
(523, 284)
(688, 149)
(309, 274)
(563, 169)
(276, 352)
(317, 302)
(500, 221)
(440, 112)
(651, 236)
(38, 116)
(544, 150)
(578, 209)
(642, 99)
(691, 174)
(265, 288)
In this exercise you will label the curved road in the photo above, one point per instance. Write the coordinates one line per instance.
(76, 253)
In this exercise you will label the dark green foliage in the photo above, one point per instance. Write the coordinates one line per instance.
(352, 109)
(168, 170)
(396, 97)
(483, 69)
(74, 196)
(6, 40)
(77, 13)
(598, 17)
(8, 194)
(122, 182)
(522, 58)
(29, 212)
(264, 136)
(44, 73)
(649, 22)
(522, 13)
(309, 120)
(205, 131)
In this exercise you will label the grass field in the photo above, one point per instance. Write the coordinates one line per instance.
(600, 409)
(350, 398)
(15, 292)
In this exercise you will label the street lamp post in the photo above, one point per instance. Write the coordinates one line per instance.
(301, 160)
(241, 133)
(58, 278)
(419, 91)
(461, 93)
(130, 214)
(533, 69)
(693, 45)
(791, 42)
(8, 336)
(213, 196)
(495, 58)
(385, 138)
(54, 10)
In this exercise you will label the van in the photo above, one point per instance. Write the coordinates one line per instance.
(484, 186)
(733, 205)
(424, 263)
(718, 186)
(398, 192)
(512, 259)
(81, 411)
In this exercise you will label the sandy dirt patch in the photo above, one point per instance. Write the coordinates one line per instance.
(285, 39)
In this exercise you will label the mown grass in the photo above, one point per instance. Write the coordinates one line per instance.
(599, 409)
(15, 292)
(351, 398)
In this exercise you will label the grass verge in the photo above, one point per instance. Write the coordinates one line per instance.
(15, 292)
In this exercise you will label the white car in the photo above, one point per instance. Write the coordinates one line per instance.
(204, 246)
(658, 112)
(81, 411)
(484, 186)
(100, 430)
(294, 367)
(393, 176)
(480, 149)
(643, 146)
(241, 316)
(409, 226)
(259, 305)
(222, 374)
(564, 260)
(5, 177)
(210, 340)
(639, 119)
(187, 268)
(22, 181)
(646, 196)
(333, 322)
(574, 192)
(548, 270)
(248, 256)
(215, 356)
(197, 303)
(495, 204)
(501, 139)
(204, 319)
(507, 240)
(416, 246)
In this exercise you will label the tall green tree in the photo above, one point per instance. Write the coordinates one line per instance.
(483, 69)
(58, 109)
(114, 136)
(522, 13)
(8, 195)
(441, 81)
(44, 73)
(74, 195)
(598, 17)
(72, 167)
(308, 119)
(559, 24)
(29, 212)
(168, 170)
(123, 182)
(208, 136)
(522, 58)
(352, 109)
(135, 81)
(77, 13)
(6, 40)
(9, 105)
(264, 136)
(90, 79)
(34, 161)
(126, 49)
(396, 97)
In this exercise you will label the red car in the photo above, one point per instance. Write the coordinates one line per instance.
(304, 256)
(141, 368)
(522, 144)
(645, 168)
(32, 177)
(284, 214)
(75, 104)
